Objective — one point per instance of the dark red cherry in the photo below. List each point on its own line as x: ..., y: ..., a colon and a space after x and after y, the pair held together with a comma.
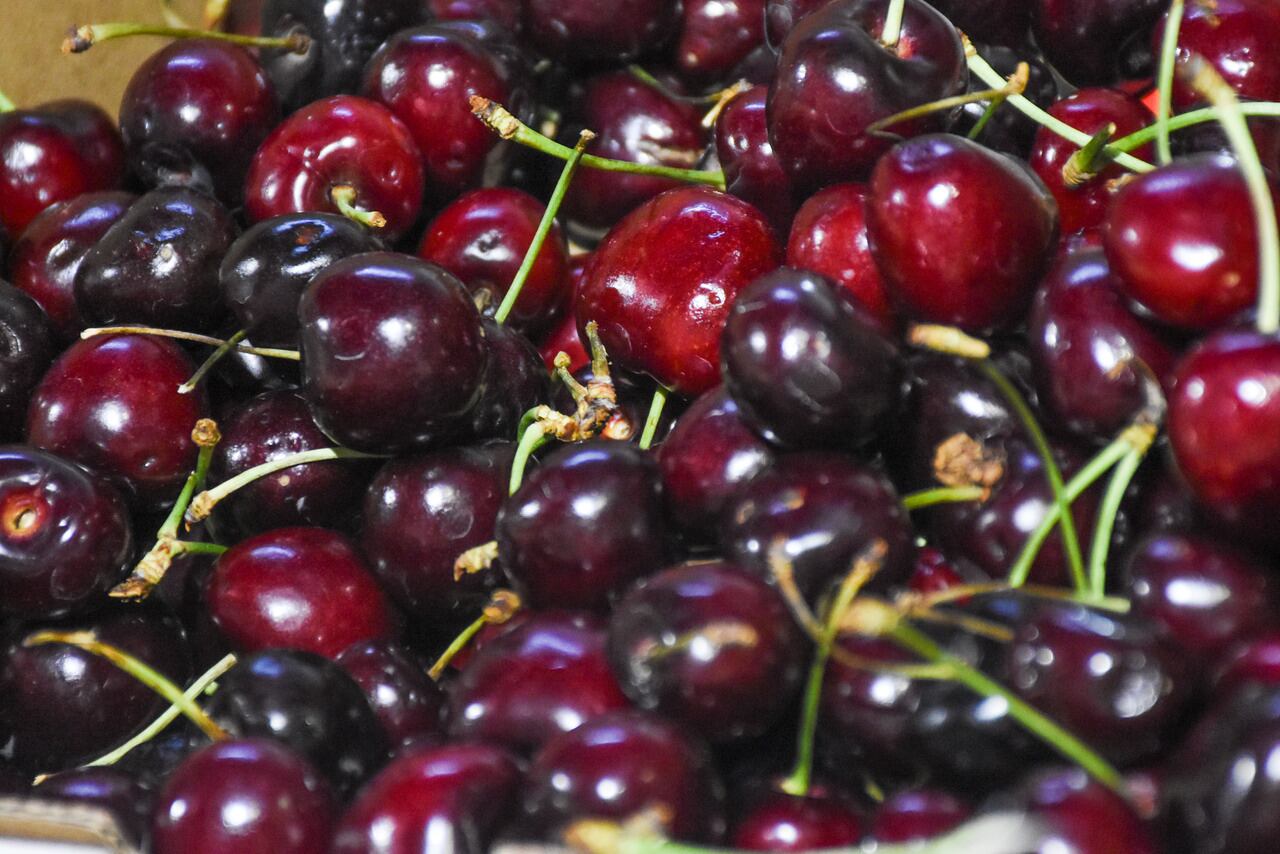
x: 300, y: 588
x: 404, y: 699
x: 266, y: 269
x: 1089, y: 42
x: 482, y: 239
x: 751, y: 169
x: 392, y: 350
x: 639, y: 123
x: 1202, y: 594
x: 999, y: 22
x: 455, y: 797
x: 45, y: 258
x: 661, y: 284
x: 820, y: 511
x: 250, y: 795
x: 113, y: 789
x: 920, y: 814
x: 960, y: 233
x: 112, y: 403
x: 564, y: 339
x: 307, y: 703
x: 54, y: 153
x: 1189, y: 270
x: 1088, y: 111
x: 158, y: 264
x: 584, y: 524
x: 709, y: 646
x: 715, y: 37
x: 584, y: 31
x: 421, y: 513
x: 708, y: 454
x: 515, y: 381
x: 835, y: 79
x: 1108, y: 679
x: 934, y: 572
x: 277, y: 424
x: 781, y: 16
x: 1084, y: 815
x: 1097, y: 365
x: 340, y: 141
x: 27, y: 347
x: 65, y: 535
x: 202, y: 104
x: 1007, y: 130
x: 1233, y: 36
x: 623, y: 765
x: 344, y: 35
x: 1254, y: 660
x: 829, y: 236
x: 782, y: 822
x: 504, y: 12
x: 63, y: 706
x: 545, y: 676
x: 805, y: 366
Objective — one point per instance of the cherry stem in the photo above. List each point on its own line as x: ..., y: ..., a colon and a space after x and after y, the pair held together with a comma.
x: 6, y: 105
x: 544, y: 228
x: 1088, y: 161
x: 983, y: 70
x: 1139, y: 138
x: 502, y: 606
x: 1107, y: 512
x: 892, y: 23
x: 266, y: 352
x: 660, y: 395
x: 139, y: 670
x: 533, y: 438
x: 202, y: 505
x: 500, y: 120
x: 84, y: 37
x: 344, y: 199
x: 1204, y: 78
x: 721, y: 100
x: 223, y: 349
x: 1164, y: 81
x: 943, y: 495
x: 987, y: 115
x: 1015, y: 85
x: 1118, y: 604
x: 169, y: 715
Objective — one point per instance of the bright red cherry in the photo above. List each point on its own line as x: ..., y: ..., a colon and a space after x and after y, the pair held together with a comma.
x: 1235, y: 36
x: 782, y: 822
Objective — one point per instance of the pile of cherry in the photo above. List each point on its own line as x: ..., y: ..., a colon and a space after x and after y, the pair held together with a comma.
x: 651, y: 427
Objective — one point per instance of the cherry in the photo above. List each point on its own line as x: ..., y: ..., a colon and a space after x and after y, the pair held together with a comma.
x: 421, y: 513
x: 112, y: 403
x: 545, y: 676
x: 1188, y: 270
x: 26, y: 352
x: 1201, y: 594
x: 503, y: 12
x: 1096, y: 364
x: 392, y: 350
x: 52, y: 154
x: 584, y: 524
x: 515, y: 381
x: 1093, y: 43
x: 960, y: 233
x: 1256, y: 659
x: 266, y: 269
x: 620, y: 765
x: 158, y: 263
x: 637, y: 122
x: 835, y: 79
x: 307, y: 703
x: 1089, y: 111
x: 819, y: 511
x: 1008, y: 130
x: 406, y: 702
x: 918, y: 814
x: 201, y: 105
x: 782, y: 822
x: 112, y: 789
x: 661, y: 284
x: 1084, y: 815
x: 781, y: 16
x: 344, y: 35
x: 709, y: 646
x: 586, y: 31
x: 457, y: 796
x: 343, y: 141
x: 708, y: 454
x: 44, y: 260
x: 249, y: 795
x: 1232, y: 35
x: 715, y: 37
x: 301, y: 588
x: 62, y: 705
x: 751, y: 169
x: 804, y: 365
x: 1107, y: 679
x: 829, y: 236
x: 482, y: 238
x: 999, y: 22
x: 934, y: 572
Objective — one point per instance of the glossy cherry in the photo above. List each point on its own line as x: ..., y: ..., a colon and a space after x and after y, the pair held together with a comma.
x: 661, y: 284
x: 586, y: 31
x: 112, y: 789
x: 392, y: 350
x: 404, y: 699
x: 112, y: 404
x: 339, y: 141
x: 27, y: 347
x: 715, y: 37
x: 545, y: 676
x: 752, y: 171
x: 1084, y: 815
x: 584, y: 524
x: 960, y: 233
x: 835, y: 79
x: 652, y: 764
x: 804, y: 364
x: 1093, y: 43
x: 782, y: 822
x: 917, y: 814
x: 250, y: 795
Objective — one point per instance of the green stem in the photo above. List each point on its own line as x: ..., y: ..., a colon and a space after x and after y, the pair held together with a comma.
x: 193, y: 548
x: 531, y: 440
x: 459, y: 643
x: 195, y: 481
x: 977, y: 129
x: 1164, y: 83
x: 544, y: 228
x: 892, y: 23
x: 194, y: 337
x: 1139, y: 138
x: 660, y: 395
x: 207, y: 365
x: 6, y: 105
x: 1070, y: 539
x: 942, y: 495
x: 344, y: 199
x: 1107, y: 512
x: 86, y: 37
